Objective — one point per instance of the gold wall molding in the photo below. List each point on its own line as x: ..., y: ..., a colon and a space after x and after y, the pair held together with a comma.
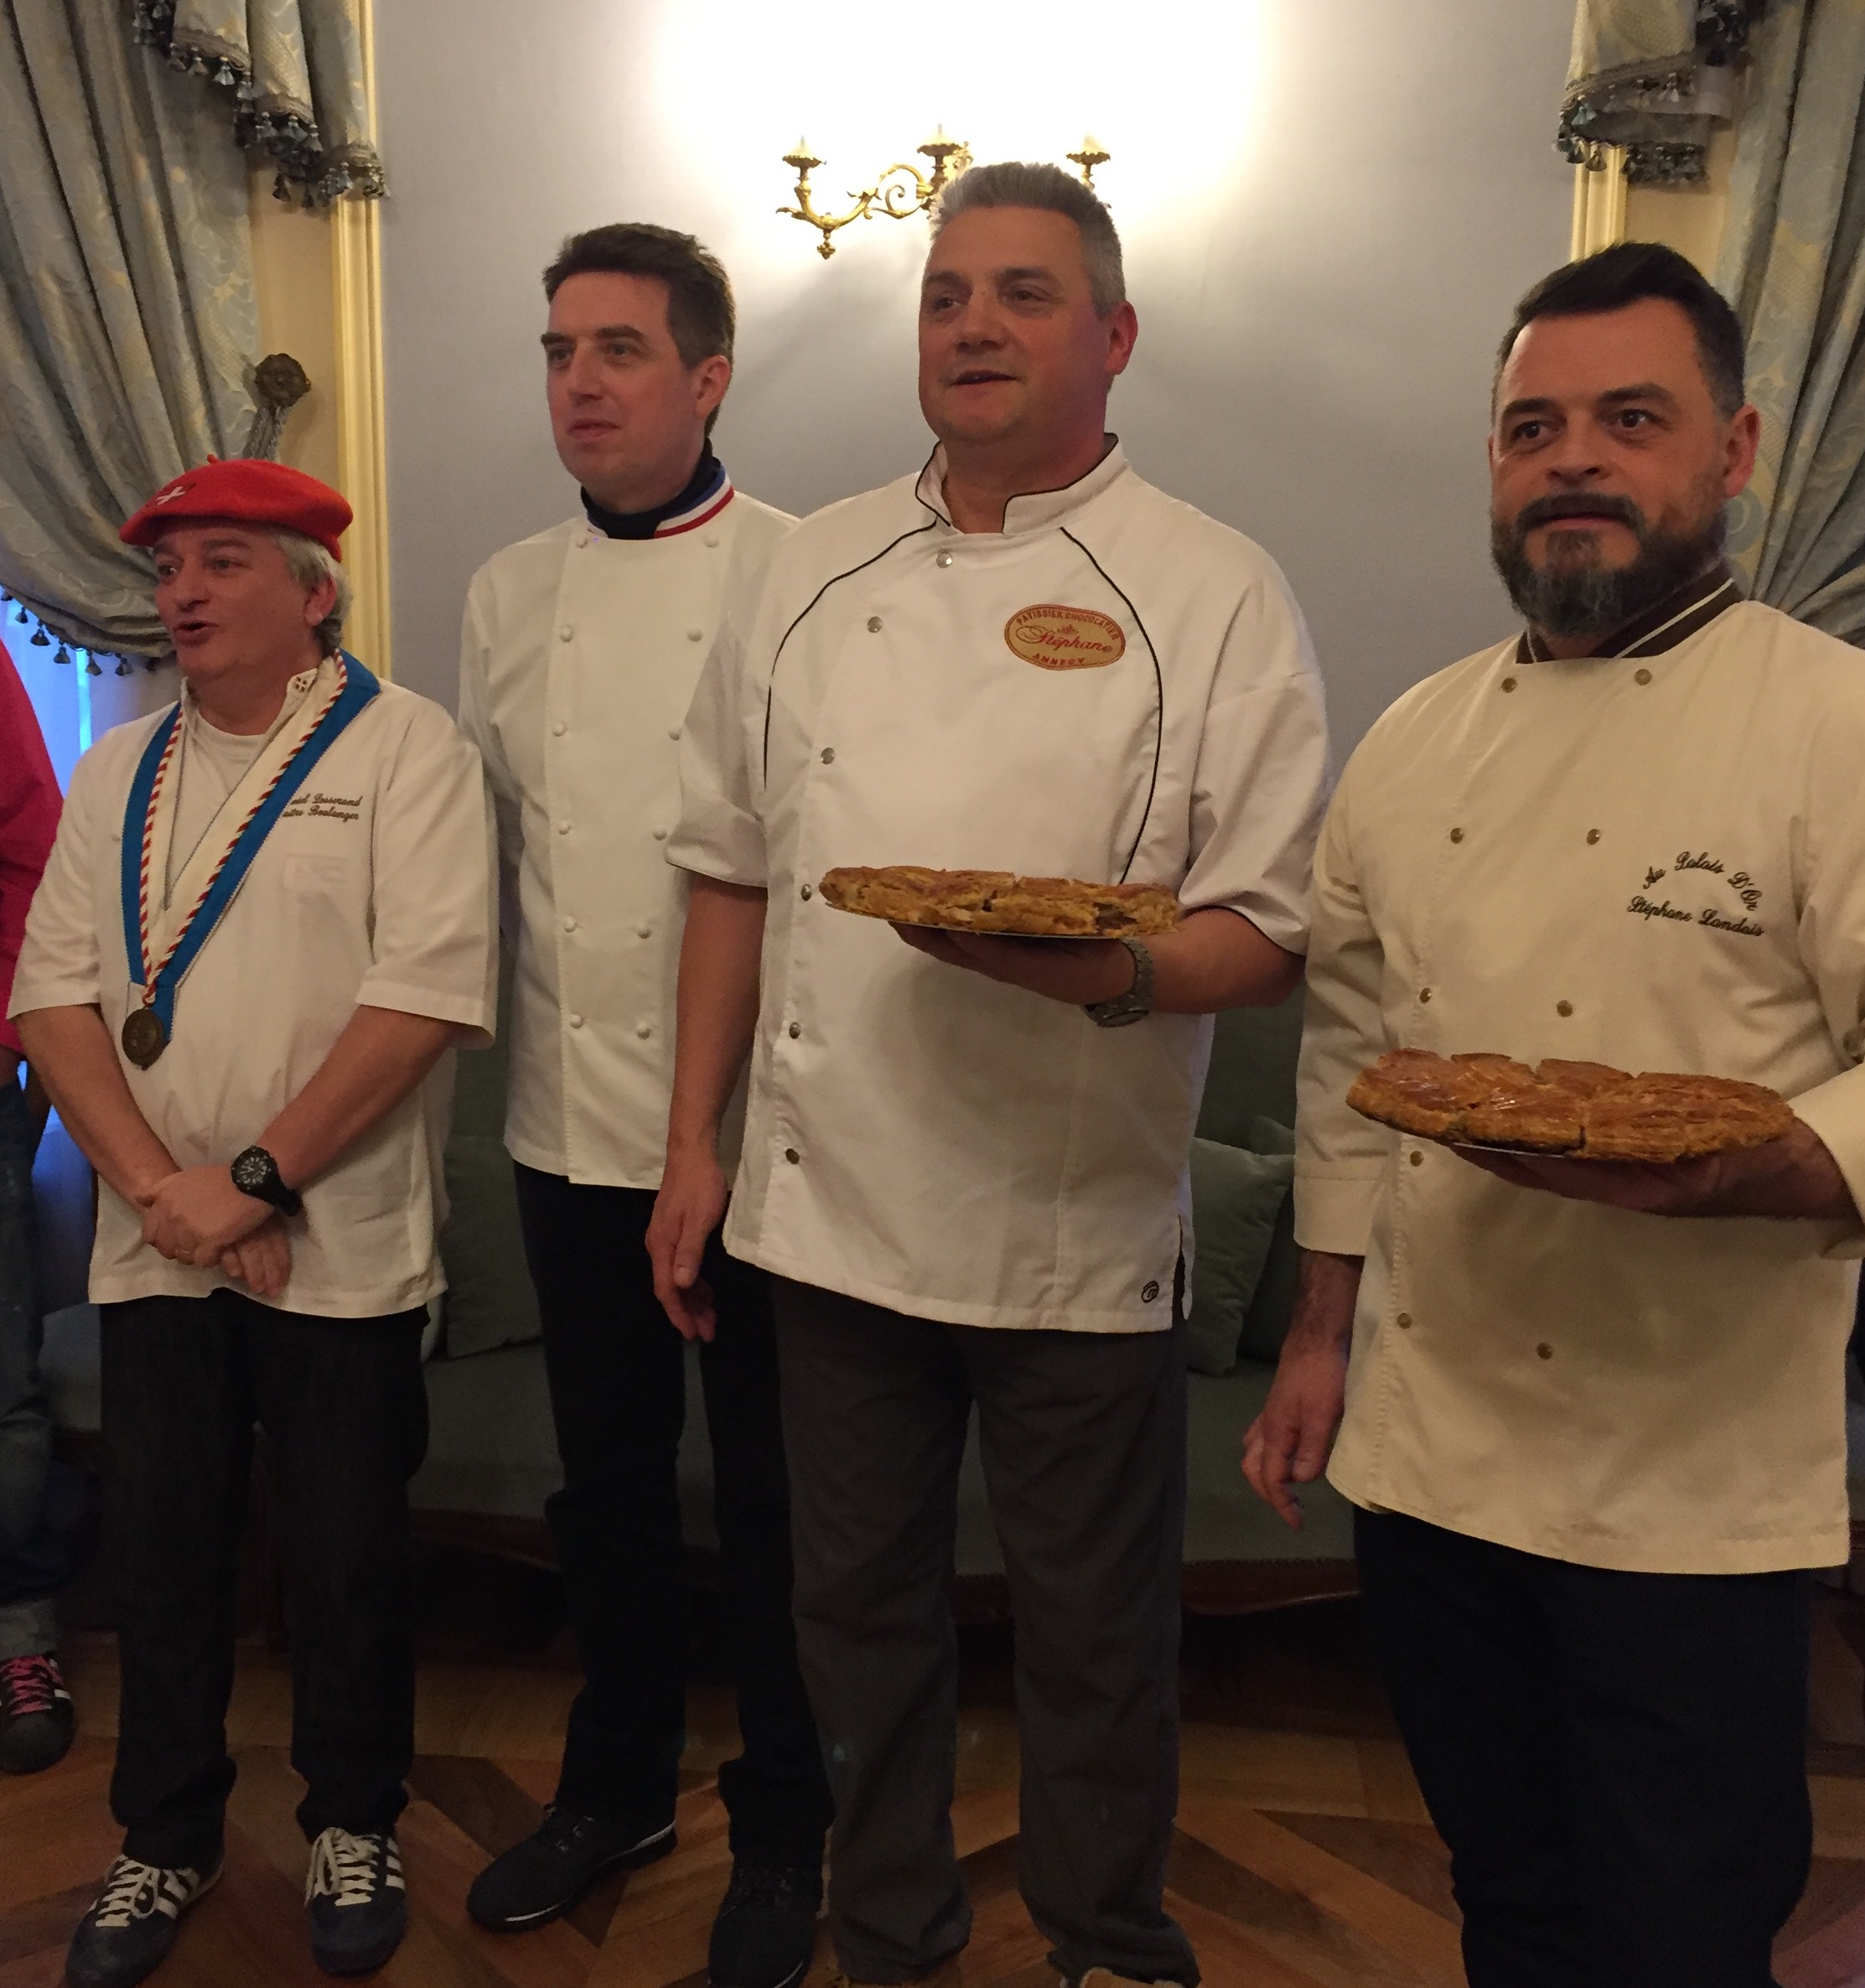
x: 1598, y: 203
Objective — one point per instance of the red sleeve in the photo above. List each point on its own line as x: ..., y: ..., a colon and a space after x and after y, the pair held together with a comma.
x: 29, y: 820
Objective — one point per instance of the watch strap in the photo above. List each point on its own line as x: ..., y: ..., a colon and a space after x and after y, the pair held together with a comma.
x: 1136, y: 1004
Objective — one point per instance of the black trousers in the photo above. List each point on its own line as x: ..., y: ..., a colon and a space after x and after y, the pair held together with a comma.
x: 345, y: 1407
x: 1616, y: 1760
x: 1083, y: 1437
x: 617, y: 1374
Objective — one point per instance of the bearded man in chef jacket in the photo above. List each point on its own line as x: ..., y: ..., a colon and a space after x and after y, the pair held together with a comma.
x: 1594, y: 1412
x: 964, y: 1161
x: 581, y: 649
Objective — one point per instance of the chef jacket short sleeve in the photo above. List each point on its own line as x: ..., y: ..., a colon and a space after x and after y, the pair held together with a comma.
x: 1340, y: 1157
x: 434, y: 905
x: 721, y: 834
x: 59, y: 961
x: 1261, y: 773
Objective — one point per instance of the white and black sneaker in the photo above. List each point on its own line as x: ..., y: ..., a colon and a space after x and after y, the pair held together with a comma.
x: 126, y: 1936
x: 357, y: 1900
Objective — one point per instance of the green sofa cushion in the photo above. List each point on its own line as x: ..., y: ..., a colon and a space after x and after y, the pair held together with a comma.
x: 1236, y: 1195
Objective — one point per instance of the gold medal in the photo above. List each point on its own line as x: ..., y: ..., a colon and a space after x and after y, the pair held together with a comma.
x: 144, y: 1037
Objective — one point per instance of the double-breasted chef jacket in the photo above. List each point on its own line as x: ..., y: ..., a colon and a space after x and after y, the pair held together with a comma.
x: 1657, y: 861
x: 917, y: 1136
x: 374, y: 888
x: 578, y: 659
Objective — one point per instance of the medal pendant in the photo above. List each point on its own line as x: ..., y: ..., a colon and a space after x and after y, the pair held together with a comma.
x: 144, y: 1037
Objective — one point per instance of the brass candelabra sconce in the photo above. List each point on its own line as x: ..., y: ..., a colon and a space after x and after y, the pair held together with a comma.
x: 903, y: 189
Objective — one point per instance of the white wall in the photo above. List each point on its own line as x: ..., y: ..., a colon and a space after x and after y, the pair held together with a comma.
x: 1329, y: 206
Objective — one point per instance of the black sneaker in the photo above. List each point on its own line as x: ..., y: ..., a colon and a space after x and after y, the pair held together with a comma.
x: 35, y: 1715
x: 536, y: 1880
x: 356, y: 1899
x: 766, y: 1928
x: 126, y: 1936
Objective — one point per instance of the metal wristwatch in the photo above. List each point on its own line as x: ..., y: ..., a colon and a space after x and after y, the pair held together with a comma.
x: 254, y: 1172
x: 1136, y: 1004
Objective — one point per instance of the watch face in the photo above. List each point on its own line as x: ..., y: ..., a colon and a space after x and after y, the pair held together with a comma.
x: 253, y: 1172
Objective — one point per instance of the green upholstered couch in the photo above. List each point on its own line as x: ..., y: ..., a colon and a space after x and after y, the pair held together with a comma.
x: 491, y: 1463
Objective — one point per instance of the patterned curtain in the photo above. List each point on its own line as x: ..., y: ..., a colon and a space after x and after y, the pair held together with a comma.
x: 1792, y: 264
x: 127, y: 316
x: 293, y: 70
x: 1653, y: 76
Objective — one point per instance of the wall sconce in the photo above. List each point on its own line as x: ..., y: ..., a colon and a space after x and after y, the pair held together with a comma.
x: 903, y: 188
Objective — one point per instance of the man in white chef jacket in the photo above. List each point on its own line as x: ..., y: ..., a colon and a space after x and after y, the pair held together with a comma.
x: 268, y: 914
x: 581, y: 649
x: 969, y: 1189
x: 1595, y: 1446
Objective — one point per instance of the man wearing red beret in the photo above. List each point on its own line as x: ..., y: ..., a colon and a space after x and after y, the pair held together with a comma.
x: 267, y: 916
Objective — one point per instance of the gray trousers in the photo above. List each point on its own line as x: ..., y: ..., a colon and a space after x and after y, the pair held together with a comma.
x: 1083, y: 1437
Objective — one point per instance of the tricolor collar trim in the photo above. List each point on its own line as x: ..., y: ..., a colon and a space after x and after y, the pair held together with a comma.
x: 705, y: 496
x: 1675, y: 619
x: 703, y: 511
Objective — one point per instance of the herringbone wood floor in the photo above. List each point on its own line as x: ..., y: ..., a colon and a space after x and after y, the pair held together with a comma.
x: 1303, y: 1857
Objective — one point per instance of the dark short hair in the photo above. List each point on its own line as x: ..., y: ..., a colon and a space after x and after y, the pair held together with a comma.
x: 700, y: 314
x: 1626, y: 274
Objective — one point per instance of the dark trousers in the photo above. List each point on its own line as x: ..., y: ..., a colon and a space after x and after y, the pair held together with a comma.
x: 41, y: 1503
x: 344, y: 1404
x: 1083, y: 1437
x: 1616, y: 1760
x: 618, y: 1377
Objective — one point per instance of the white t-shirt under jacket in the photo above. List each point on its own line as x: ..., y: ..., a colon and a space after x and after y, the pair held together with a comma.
x: 1655, y: 860
x: 577, y: 661
x: 374, y: 889
x: 917, y: 1136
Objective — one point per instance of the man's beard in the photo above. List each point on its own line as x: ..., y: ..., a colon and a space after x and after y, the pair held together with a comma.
x: 1576, y: 594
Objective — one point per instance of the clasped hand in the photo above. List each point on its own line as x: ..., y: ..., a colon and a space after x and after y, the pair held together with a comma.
x: 198, y: 1216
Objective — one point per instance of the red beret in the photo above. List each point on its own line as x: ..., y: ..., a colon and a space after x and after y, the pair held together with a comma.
x: 249, y: 491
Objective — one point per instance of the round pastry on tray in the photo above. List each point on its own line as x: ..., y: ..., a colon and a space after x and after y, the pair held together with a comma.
x: 1579, y: 1111
x: 997, y: 901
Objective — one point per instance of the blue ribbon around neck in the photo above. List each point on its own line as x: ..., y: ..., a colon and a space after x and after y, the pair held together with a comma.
x: 360, y: 689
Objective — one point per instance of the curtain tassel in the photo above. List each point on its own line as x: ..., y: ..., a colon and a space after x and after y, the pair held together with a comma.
x: 63, y: 655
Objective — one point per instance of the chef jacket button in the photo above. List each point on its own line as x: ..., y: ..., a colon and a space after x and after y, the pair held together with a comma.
x: 808, y: 893
x: 873, y: 625
x: 1544, y: 1351
x: 1563, y: 1007
x: 565, y: 633
x: 575, y: 1020
x: 694, y: 634
x: 673, y: 732
x: 644, y: 931
x: 1424, y: 993
x: 660, y: 835
x: 564, y: 828
x: 796, y: 1029
x: 1509, y: 683
x: 1403, y: 1321
x: 792, y: 1156
x: 1641, y: 676
x: 644, y: 1029
x: 712, y: 540
x: 944, y: 559
x: 1149, y: 1290
x: 1417, y: 1159
x: 569, y: 924
x: 828, y: 755
x: 1457, y: 835
x: 1592, y: 834
x: 558, y: 729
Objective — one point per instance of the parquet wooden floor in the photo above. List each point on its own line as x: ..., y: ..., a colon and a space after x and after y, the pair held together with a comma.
x: 1303, y: 1857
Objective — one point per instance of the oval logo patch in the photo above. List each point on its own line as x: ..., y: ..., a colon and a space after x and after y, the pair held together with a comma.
x: 1055, y: 637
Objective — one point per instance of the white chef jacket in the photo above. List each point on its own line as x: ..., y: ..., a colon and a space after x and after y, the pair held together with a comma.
x: 1655, y: 862
x: 577, y: 661
x: 374, y: 888
x: 917, y: 1136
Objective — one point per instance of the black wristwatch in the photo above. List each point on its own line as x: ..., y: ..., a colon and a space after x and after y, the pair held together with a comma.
x: 256, y: 1172
x: 1136, y: 1004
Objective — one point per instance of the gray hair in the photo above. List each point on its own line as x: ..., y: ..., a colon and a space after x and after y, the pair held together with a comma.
x: 1013, y: 182
x: 308, y: 563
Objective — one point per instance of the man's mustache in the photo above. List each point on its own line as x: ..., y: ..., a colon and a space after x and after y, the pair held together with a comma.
x: 1544, y: 511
